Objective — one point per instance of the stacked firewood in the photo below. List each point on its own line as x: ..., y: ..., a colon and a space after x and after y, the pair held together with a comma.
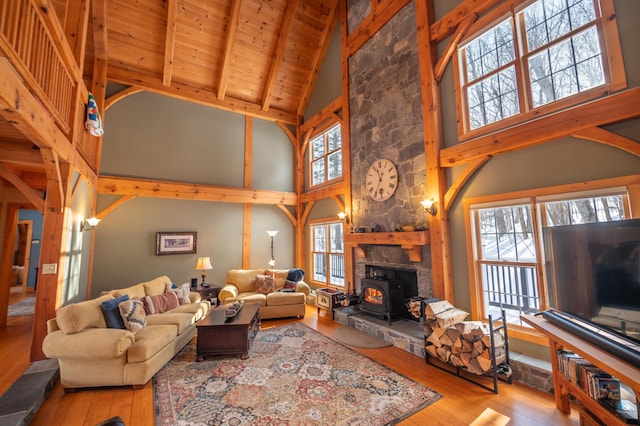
x: 415, y: 307
x: 465, y: 344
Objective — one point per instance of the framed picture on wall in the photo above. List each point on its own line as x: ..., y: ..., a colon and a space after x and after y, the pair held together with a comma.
x: 175, y: 242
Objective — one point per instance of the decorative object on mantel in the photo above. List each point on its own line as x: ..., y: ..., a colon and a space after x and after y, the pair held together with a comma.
x: 412, y: 228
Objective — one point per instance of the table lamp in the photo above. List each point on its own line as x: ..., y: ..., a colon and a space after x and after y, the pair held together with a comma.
x: 203, y: 264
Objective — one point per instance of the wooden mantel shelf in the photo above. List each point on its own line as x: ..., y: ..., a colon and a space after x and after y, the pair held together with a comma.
x: 411, y: 242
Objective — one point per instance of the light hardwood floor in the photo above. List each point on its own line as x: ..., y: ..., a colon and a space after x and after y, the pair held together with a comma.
x: 462, y: 403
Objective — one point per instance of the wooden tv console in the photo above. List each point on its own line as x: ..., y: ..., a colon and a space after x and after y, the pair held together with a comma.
x: 559, y: 339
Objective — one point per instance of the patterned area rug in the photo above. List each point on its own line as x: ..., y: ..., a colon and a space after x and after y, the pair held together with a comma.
x: 23, y: 307
x: 293, y: 376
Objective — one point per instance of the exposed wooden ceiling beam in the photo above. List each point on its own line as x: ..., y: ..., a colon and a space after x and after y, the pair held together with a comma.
x: 108, y: 103
x: 231, y: 30
x: 197, y: 95
x: 597, y: 134
x: 34, y: 197
x: 372, y: 23
x: 19, y: 152
x: 55, y: 172
x: 452, y: 46
x: 75, y: 28
x: 281, y: 45
x: 111, y: 207
x: 617, y: 107
x: 99, y: 17
x: 326, y: 192
x: 170, y: 41
x: 185, y: 191
x: 446, y: 25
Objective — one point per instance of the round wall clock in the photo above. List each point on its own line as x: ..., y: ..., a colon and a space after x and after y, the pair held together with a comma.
x: 382, y: 180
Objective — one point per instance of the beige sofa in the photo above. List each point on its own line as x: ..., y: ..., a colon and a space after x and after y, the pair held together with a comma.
x: 241, y: 285
x: 90, y: 354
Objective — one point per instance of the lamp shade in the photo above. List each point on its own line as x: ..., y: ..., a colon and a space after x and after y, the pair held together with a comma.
x: 204, y: 263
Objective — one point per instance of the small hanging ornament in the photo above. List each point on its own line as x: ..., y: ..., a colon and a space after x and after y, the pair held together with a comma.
x: 93, y: 123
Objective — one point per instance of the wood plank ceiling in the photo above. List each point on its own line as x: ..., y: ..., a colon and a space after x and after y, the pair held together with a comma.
x: 255, y: 57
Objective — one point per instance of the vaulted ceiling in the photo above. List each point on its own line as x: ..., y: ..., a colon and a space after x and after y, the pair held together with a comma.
x: 256, y: 57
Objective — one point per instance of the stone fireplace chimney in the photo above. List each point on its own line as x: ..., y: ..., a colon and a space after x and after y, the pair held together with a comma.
x: 386, y: 122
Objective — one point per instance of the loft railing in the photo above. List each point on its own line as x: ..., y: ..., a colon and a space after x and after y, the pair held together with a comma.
x: 34, y: 43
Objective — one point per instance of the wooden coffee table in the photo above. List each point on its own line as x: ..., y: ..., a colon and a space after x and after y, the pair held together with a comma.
x: 219, y: 335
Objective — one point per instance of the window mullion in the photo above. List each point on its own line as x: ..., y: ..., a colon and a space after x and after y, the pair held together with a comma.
x: 540, y: 257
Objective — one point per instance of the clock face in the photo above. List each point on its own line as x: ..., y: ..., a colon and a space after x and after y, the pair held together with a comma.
x: 382, y: 180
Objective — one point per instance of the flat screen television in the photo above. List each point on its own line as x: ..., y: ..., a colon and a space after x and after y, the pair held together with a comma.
x: 593, y: 273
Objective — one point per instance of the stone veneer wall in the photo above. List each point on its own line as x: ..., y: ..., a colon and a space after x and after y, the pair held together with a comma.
x: 386, y: 122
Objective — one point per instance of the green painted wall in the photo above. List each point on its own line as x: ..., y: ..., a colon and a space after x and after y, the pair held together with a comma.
x: 155, y: 137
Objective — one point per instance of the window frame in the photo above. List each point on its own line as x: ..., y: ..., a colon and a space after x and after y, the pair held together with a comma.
x: 612, y: 63
x: 328, y: 253
x: 324, y: 132
x: 536, y: 198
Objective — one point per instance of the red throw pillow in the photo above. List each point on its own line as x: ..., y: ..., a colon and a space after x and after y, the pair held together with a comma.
x: 160, y: 303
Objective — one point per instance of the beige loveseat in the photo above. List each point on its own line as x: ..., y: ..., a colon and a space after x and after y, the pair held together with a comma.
x: 241, y: 285
x: 90, y: 354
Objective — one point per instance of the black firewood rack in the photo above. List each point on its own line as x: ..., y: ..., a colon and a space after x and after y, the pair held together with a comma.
x: 497, y: 372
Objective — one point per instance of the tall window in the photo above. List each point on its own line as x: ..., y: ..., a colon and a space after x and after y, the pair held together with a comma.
x: 544, y: 52
x: 507, y: 241
x: 325, y: 156
x: 327, y: 253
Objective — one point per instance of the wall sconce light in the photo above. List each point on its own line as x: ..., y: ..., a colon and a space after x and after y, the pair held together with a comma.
x: 343, y: 217
x: 89, y: 224
x: 430, y: 207
x: 272, y: 234
x: 203, y: 264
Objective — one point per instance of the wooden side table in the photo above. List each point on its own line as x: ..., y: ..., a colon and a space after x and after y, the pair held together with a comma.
x: 209, y: 293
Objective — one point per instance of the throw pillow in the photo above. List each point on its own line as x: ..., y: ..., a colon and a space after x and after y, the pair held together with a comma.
x: 160, y: 303
x: 265, y: 284
x: 133, y: 316
x: 183, y: 293
x: 111, y: 312
x: 289, y: 285
x: 295, y: 275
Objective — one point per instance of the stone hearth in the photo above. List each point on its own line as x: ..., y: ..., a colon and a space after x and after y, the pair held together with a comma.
x: 404, y: 334
x: 408, y: 335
